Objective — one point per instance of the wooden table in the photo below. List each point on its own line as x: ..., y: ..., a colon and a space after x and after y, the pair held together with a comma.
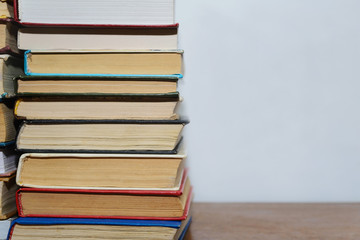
x: 258, y: 221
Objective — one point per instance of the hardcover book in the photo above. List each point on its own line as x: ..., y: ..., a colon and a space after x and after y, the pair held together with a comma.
x: 67, y: 39
x: 8, y: 35
x: 120, y: 204
x: 10, y: 67
x: 88, y: 171
x: 115, y: 136
x: 5, y: 226
x: 8, y: 161
x: 116, y: 106
x: 8, y: 190
x: 104, y: 63
x: 7, y: 127
x: 105, y: 229
x: 90, y: 85
x: 89, y: 12
x: 6, y: 9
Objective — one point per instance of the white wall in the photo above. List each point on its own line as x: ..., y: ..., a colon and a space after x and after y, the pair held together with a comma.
x: 272, y: 89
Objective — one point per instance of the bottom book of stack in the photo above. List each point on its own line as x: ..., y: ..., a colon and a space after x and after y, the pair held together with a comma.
x: 87, y: 228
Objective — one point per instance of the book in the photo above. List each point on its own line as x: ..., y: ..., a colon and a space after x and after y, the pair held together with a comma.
x: 76, y: 85
x: 85, y: 38
x: 8, y: 35
x: 115, y: 136
x: 8, y: 161
x: 10, y: 67
x: 86, y: 228
x: 89, y: 12
x: 6, y: 9
x: 7, y: 127
x: 5, y: 226
x: 121, y: 204
x: 8, y: 190
x: 84, y: 107
x: 101, y: 171
x: 103, y: 63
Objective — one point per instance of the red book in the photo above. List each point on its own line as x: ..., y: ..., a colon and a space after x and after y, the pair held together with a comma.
x: 114, y: 204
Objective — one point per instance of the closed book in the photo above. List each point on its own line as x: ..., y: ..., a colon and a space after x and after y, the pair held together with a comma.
x: 105, y: 229
x: 87, y: 171
x: 8, y: 35
x: 65, y: 39
x: 5, y: 226
x: 111, y: 63
x: 10, y: 67
x: 7, y: 127
x: 8, y: 190
x: 107, y: 136
x: 6, y: 9
x: 100, y: 106
x: 92, y: 85
x: 8, y: 161
x: 118, y: 204
x: 89, y: 12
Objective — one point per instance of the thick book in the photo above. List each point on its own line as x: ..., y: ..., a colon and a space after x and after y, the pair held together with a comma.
x: 90, y: 85
x: 118, y: 63
x: 98, y: 107
x: 10, y: 67
x: 107, y: 136
x: 89, y: 12
x: 8, y: 190
x: 104, y: 229
x: 7, y: 126
x: 101, y: 171
x: 118, y: 204
x: 67, y: 39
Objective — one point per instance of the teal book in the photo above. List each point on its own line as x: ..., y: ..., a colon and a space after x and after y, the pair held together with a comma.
x: 106, y: 63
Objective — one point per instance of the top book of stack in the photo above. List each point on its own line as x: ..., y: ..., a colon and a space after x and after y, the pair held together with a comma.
x: 94, y: 12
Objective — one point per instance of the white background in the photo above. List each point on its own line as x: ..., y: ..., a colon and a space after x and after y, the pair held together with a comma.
x: 272, y: 89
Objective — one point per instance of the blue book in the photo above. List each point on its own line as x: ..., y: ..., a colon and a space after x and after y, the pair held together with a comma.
x: 83, y: 228
x: 104, y: 64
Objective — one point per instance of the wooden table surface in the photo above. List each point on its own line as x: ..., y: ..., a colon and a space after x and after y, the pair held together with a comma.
x: 260, y: 221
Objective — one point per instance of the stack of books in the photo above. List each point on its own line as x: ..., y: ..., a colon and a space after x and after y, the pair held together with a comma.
x: 11, y: 62
x: 100, y: 134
